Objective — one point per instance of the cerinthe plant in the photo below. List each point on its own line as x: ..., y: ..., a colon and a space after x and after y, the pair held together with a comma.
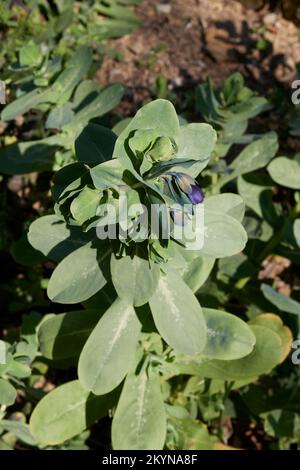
x: 140, y: 324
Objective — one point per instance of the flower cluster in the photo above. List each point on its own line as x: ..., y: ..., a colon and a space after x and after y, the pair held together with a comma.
x: 184, y: 187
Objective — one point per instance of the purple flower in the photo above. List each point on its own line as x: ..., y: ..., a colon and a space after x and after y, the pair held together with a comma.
x: 196, y: 195
x: 187, y: 185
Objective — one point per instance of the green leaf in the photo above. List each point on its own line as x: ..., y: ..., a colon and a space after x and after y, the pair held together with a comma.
x: 60, y: 116
x: 118, y: 11
x: 109, y: 351
x: 63, y: 336
x: 296, y: 230
x: 105, y: 102
x: 23, y: 104
x: 196, y: 142
x: 274, y: 322
x: 178, y: 315
x: 228, y: 337
x: 107, y: 28
x: 19, y: 429
x: 121, y: 126
x: 285, y: 172
x: 281, y: 301
x: 257, y: 195
x: 223, y: 236
x: 139, y: 422
x: 197, y: 271
x: 68, y: 179
x: 134, y: 279
x: 95, y: 144
x: 4, y: 445
x: 77, y: 277
x: 84, y: 206
x: 29, y: 55
x: 8, y: 393
x: 76, y: 67
x: 65, y: 17
x: 19, y: 369
x: 66, y: 412
x: 191, y: 434
x: 58, y: 93
x: 51, y: 236
x: 30, y: 324
x: 264, y: 357
x: 227, y: 203
x: 158, y: 115
x: 281, y: 423
x: 107, y: 175
x: 207, y: 103
x: 85, y: 92
x: 26, y: 157
x: 24, y: 253
x: 256, y: 155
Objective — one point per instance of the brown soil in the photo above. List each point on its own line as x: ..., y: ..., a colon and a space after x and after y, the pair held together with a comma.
x: 190, y: 40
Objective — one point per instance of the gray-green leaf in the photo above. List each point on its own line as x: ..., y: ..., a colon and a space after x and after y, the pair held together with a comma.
x: 178, y: 315
x: 109, y: 351
x: 140, y: 419
x: 286, y: 172
x: 50, y: 235
x: 281, y: 301
x: 134, y: 279
x: 77, y: 277
x: 228, y: 337
x: 67, y: 411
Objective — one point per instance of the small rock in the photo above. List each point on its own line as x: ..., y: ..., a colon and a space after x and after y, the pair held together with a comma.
x: 270, y: 19
x: 164, y: 8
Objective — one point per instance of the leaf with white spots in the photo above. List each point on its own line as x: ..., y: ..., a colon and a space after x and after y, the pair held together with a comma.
x: 134, y: 279
x: 110, y: 349
x: 140, y: 420
x: 228, y: 337
x: 178, y: 315
x: 77, y: 277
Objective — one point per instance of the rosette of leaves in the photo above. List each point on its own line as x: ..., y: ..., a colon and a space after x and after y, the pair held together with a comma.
x: 64, y: 100
x: 242, y: 170
x: 229, y: 110
x: 17, y: 355
x: 141, y: 321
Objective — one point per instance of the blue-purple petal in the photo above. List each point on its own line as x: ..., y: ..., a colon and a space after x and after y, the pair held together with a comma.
x: 196, y: 196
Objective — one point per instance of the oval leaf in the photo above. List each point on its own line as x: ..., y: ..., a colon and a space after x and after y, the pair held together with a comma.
x: 77, y: 277
x: 8, y: 393
x: 282, y: 302
x: 227, y: 203
x: 264, y: 357
x: 140, y: 420
x: 110, y: 349
x: 178, y: 315
x: 63, y: 336
x: 274, y: 322
x: 61, y: 239
x: 67, y: 411
x: 223, y: 235
x: 133, y: 278
x: 285, y: 172
x: 197, y: 271
x: 228, y: 337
